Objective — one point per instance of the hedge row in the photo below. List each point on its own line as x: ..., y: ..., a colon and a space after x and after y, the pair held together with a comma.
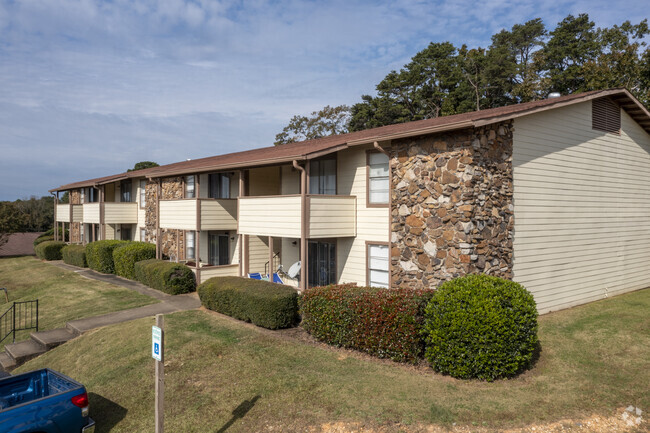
x: 99, y: 255
x: 384, y: 323
x: 75, y: 255
x: 126, y: 256
x: 168, y: 277
x: 42, y: 239
x: 49, y: 250
x: 482, y: 327
x: 262, y: 303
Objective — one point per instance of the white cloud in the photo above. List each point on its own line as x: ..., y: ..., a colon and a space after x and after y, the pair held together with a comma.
x: 93, y: 85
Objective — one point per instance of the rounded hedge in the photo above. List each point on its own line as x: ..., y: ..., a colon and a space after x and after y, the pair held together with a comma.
x: 74, y: 255
x: 99, y: 255
x: 265, y: 304
x: 479, y: 326
x: 125, y: 257
x: 168, y: 277
x: 41, y: 239
x: 49, y: 250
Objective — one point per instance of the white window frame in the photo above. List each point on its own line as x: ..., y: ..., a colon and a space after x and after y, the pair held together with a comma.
x: 373, y: 263
x: 190, y: 192
x: 190, y: 246
x: 143, y: 189
x: 373, y: 165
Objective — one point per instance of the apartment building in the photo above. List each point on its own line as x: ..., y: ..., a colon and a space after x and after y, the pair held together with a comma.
x: 554, y: 194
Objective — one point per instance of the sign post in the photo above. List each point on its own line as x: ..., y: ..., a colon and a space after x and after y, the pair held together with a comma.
x: 157, y: 352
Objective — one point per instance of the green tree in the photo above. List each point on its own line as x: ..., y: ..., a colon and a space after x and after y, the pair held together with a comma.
x: 573, y: 44
x: 143, y: 164
x: 510, y: 69
x: 10, y: 221
x: 328, y: 121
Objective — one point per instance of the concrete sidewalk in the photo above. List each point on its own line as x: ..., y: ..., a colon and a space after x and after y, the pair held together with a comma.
x: 40, y: 342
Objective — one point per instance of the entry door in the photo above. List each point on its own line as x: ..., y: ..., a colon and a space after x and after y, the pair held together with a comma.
x: 322, y: 263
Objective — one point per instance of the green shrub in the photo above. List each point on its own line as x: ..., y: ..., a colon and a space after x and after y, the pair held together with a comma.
x: 99, y: 255
x: 49, y: 250
x: 481, y: 327
x: 75, y: 255
x: 262, y: 303
x: 168, y: 277
x: 42, y: 239
x: 125, y: 257
x: 385, y: 323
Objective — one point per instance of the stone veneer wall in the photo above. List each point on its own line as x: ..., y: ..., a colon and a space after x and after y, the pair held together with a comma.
x: 452, y: 209
x: 75, y: 228
x: 150, y: 210
x: 172, y: 242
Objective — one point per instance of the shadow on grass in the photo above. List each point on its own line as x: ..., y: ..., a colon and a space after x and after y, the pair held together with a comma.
x: 239, y: 412
x: 105, y: 412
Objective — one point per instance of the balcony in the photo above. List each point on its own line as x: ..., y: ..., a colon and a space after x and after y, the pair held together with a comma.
x: 63, y: 213
x: 328, y: 216
x: 91, y: 213
x: 207, y: 214
x: 121, y: 213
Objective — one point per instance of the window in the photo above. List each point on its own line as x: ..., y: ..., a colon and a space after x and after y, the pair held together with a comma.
x: 218, y: 250
x: 143, y: 191
x: 378, y: 187
x: 189, y: 245
x: 91, y: 196
x: 218, y: 185
x: 322, y: 263
x: 378, y: 265
x: 125, y: 191
x: 143, y: 235
x: 322, y: 176
x: 189, y: 186
x: 126, y: 232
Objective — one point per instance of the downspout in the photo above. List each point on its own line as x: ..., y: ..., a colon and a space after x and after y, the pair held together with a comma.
x: 56, y: 227
x: 390, y: 207
x: 303, y: 225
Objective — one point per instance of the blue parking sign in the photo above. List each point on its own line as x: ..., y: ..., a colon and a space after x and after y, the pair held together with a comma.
x: 156, y: 343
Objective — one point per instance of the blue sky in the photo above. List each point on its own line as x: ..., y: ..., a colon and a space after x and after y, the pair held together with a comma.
x: 89, y: 87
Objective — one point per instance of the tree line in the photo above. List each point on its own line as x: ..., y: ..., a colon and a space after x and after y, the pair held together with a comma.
x: 522, y: 64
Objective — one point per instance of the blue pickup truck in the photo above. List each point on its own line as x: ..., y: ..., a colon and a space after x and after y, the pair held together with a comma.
x: 43, y: 401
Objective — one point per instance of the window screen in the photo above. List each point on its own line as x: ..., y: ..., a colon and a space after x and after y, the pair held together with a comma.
x: 378, y: 265
x: 378, y: 187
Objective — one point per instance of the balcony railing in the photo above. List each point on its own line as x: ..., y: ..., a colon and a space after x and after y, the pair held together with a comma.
x: 280, y: 216
x: 91, y: 213
x: 120, y: 213
x: 63, y: 213
x: 210, y: 214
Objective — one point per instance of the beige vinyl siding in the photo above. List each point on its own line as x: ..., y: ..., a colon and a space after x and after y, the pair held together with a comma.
x: 219, y: 271
x: 270, y: 216
x: 121, y: 213
x: 110, y: 231
x: 290, y: 180
x: 77, y: 213
x: 178, y: 214
x: 63, y: 213
x: 219, y: 214
x: 258, y: 250
x: 90, y: 213
x: 141, y: 217
x: 331, y: 216
x: 372, y: 224
x: 264, y: 181
x: 582, y: 207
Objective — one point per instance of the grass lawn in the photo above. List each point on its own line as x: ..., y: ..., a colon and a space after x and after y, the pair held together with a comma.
x: 62, y: 295
x: 222, y: 375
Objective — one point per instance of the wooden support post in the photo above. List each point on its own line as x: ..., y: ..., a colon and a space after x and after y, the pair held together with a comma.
x: 160, y: 378
x: 303, y: 225
x: 271, y: 258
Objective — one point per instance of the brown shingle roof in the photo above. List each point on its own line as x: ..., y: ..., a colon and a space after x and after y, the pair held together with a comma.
x: 19, y: 244
x: 313, y: 148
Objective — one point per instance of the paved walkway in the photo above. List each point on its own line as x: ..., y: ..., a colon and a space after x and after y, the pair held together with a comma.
x: 168, y: 304
x: 40, y: 342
